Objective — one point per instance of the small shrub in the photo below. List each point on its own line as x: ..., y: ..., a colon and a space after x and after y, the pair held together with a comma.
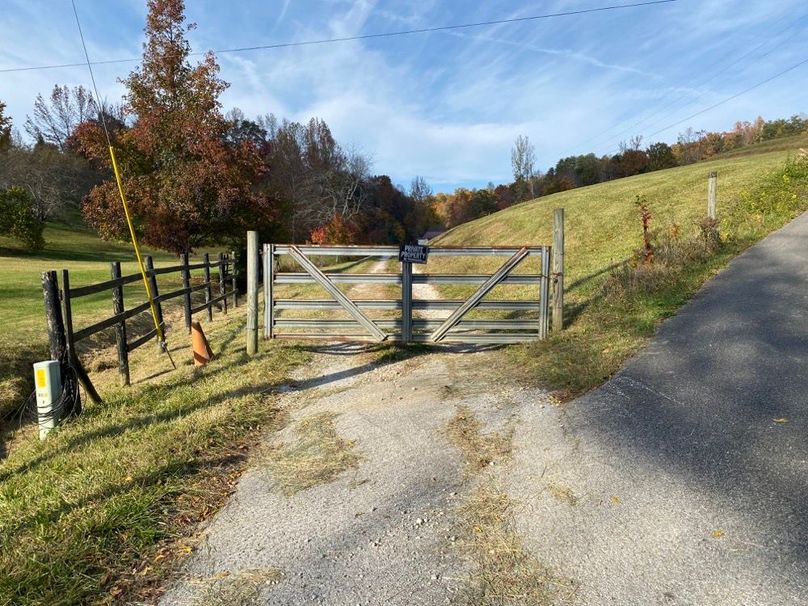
x: 18, y: 220
x: 645, y: 216
x: 709, y: 235
x: 779, y: 195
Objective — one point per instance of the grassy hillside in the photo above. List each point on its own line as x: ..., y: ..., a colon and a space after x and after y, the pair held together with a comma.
x: 603, y: 228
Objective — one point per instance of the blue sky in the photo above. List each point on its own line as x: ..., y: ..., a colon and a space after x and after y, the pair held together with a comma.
x: 447, y: 106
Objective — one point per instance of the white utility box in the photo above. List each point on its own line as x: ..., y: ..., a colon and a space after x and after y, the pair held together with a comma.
x: 48, y: 380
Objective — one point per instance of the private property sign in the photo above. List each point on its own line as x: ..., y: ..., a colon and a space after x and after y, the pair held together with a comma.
x: 413, y: 253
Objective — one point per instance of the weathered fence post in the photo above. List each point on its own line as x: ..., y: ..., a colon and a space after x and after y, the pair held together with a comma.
x: 53, y: 316
x: 252, y: 293
x: 269, y: 281
x: 558, y: 269
x: 406, y: 301
x: 153, y: 287
x: 208, y: 291
x: 222, y: 283
x: 57, y: 340
x: 72, y: 357
x: 186, y: 285
x: 120, y: 327
x: 233, y: 278
x: 711, y: 187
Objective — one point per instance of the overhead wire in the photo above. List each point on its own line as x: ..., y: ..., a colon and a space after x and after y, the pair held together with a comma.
x: 600, y: 138
x: 408, y: 32
x: 158, y: 328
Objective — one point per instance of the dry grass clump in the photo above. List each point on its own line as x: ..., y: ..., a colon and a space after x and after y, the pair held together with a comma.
x: 480, y: 450
x: 242, y: 588
x: 506, y: 573
x: 317, y: 456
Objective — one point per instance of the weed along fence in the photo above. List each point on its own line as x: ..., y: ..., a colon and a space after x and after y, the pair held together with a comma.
x: 380, y: 297
x: 217, y: 283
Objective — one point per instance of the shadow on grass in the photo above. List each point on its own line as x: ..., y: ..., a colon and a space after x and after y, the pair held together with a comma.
x: 176, y: 470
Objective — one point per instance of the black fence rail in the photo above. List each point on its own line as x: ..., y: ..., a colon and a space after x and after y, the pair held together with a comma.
x: 64, y: 335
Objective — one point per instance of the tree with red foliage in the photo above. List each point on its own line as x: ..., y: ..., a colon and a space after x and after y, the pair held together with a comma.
x: 336, y: 231
x: 186, y: 184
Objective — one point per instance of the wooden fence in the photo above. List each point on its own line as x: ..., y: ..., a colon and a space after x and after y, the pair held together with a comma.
x: 64, y: 335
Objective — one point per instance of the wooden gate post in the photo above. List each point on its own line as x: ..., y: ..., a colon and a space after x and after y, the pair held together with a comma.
x: 252, y: 293
x: 558, y: 269
x: 120, y: 327
x: 406, y: 301
x: 711, y: 187
x: 186, y: 285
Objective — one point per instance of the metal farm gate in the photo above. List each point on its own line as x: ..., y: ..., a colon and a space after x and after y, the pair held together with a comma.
x: 290, y: 312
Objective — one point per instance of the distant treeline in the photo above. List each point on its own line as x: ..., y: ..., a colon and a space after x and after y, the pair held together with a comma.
x: 588, y: 169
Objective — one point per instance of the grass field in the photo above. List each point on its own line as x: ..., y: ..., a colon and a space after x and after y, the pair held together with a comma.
x: 603, y: 228
x: 23, y: 336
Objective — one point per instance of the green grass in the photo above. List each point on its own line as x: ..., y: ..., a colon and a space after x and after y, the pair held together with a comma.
x: 23, y: 339
x: 603, y: 228
x: 104, y: 507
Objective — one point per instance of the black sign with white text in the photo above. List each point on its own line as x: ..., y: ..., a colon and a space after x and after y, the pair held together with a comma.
x: 413, y: 253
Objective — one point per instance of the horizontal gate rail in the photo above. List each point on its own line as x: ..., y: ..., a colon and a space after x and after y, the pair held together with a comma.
x: 392, y: 251
x: 301, y: 278
x: 417, y: 323
x: 421, y: 304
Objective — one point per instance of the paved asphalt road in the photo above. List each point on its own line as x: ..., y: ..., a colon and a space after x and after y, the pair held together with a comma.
x: 690, y: 467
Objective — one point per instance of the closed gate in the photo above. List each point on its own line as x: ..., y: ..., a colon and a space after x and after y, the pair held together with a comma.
x: 415, y: 310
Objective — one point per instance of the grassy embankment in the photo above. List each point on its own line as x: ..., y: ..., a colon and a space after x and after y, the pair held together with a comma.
x: 610, y: 313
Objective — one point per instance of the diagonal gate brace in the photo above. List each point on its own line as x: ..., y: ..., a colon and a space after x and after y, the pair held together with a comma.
x: 484, y: 289
x: 335, y: 292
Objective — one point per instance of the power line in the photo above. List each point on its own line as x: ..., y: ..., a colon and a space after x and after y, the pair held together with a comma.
x: 409, y: 32
x: 730, y: 98
x: 604, y: 136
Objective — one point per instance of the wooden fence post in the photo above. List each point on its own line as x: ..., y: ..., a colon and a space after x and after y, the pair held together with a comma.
x: 57, y: 340
x: 208, y: 291
x: 222, y: 283
x: 252, y: 293
x: 154, y: 292
x: 558, y: 269
x: 406, y: 301
x: 233, y: 278
x: 72, y: 357
x: 186, y: 285
x: 711, y: 187
x: 120, y: 328
x: 53, y: 316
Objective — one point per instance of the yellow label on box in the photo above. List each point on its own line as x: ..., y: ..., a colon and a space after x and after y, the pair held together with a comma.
x: 41, y: 378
